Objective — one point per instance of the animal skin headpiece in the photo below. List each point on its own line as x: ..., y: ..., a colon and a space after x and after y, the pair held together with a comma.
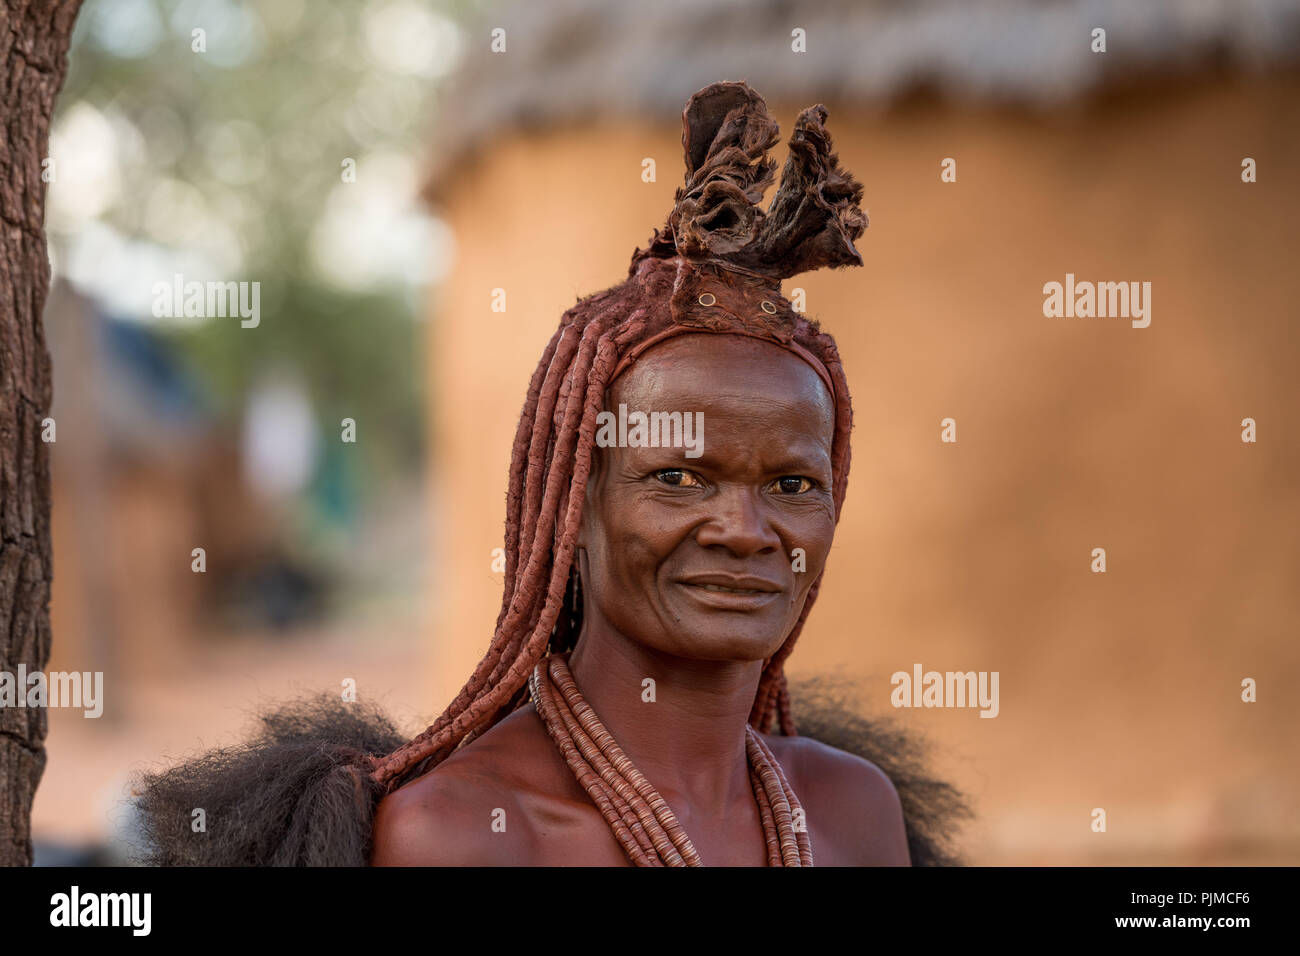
x: 728, y: 255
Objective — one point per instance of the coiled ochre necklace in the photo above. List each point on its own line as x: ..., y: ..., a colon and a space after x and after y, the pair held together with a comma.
x: 640, y: 818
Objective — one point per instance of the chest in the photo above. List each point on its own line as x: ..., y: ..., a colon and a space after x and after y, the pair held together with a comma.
x: 569, y: 833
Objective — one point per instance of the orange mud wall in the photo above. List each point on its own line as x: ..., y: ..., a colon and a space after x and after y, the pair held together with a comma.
x: 1120, y: 690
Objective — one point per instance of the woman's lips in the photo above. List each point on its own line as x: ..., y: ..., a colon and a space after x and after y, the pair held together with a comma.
x: 715, y: 587
x: 731, y: 593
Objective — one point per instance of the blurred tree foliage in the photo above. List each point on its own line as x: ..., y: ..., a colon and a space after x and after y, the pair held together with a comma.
x: 236, y: 152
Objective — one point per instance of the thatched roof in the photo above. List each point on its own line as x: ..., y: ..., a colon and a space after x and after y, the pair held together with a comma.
x: 571, y: 60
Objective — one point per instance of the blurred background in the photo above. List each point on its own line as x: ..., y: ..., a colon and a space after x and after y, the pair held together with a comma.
x: 502, y: 146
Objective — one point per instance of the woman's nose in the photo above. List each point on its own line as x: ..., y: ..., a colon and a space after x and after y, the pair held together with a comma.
x: 740, y: 523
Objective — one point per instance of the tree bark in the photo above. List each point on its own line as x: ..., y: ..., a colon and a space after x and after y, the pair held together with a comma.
x: 34, y: 37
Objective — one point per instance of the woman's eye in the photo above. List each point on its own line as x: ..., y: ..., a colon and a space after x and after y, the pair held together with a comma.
x: 793, y: 484
x: 677, y: 477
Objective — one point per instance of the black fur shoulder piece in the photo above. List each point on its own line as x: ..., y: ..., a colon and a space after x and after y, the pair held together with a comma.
x: 298, y: 793
x: 933, y: 810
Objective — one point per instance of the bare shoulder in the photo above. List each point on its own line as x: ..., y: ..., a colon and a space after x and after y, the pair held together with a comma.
x: 847, y: 798
x: 467, y: 811
x: 440, y: 819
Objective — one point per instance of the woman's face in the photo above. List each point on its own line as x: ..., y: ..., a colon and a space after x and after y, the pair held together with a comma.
x: 697, y: 556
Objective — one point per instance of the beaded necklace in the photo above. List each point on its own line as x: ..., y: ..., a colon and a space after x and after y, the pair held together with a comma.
x: 641, y: 819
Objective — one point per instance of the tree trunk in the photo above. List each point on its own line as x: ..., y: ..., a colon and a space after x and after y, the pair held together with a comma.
x: 34, y: 36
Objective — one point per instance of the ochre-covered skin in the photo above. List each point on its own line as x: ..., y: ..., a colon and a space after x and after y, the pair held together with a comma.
x: 657, y: 527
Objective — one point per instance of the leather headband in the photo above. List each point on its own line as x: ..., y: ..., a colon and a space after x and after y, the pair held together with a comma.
x: 640, y: 348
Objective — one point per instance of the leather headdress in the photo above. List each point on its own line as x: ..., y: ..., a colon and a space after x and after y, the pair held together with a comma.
x: 729, y: 255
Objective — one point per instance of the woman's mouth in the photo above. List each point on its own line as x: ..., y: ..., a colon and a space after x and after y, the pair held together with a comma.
x: 717, y: 587
x: 728, y: 593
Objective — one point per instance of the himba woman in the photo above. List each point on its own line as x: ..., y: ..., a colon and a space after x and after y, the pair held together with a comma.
x: 632, y: 707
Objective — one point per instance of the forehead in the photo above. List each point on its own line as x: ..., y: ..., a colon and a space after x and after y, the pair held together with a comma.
x: 727, y: 373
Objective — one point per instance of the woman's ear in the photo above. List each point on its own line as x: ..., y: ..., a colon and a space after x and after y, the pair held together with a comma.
x: 584, y: 525
x: 591, y: 497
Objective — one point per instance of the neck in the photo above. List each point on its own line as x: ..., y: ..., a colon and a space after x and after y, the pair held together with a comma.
x: 690, y: 741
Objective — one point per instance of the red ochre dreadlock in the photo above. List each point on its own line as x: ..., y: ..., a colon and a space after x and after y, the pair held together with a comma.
x: 715, y: 267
